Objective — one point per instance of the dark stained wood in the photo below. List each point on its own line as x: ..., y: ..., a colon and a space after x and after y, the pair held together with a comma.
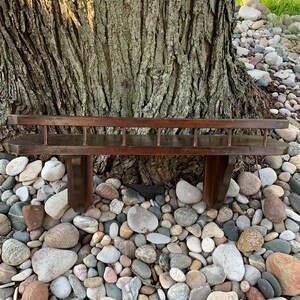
x: 145, y: 145
x: 144, y: 122
x: 217, y: 174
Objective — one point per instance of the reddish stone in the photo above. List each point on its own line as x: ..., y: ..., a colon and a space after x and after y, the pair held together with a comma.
x: 255, y: 294
x: 26, y: 282
x: 37, y: 290
x: 274, y: 210
x: 286, y: 269
x: 224, y: 287
x: 33, y: 216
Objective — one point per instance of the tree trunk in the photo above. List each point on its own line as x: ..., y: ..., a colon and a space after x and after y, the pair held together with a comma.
x: 123, y: 58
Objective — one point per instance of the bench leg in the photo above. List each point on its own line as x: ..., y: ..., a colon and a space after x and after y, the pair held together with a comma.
x: 80, y: 181
x: 217, y: 173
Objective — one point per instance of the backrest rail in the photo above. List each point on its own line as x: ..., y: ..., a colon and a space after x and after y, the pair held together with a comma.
x: 158, y: 137
x: 145, y: 122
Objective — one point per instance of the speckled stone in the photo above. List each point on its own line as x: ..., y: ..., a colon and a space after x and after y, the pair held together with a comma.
x: 278, y: 245
x: 180, y: 261
x: 107, y: 191
x: 250, y: 240
x: 187, y: 193
x: 14, y: 252
x: 249, y: 183
x: 274, y: 210
x: 214, y: 274
x: 185, y: 216
x: 16, y: 216
x: 178, y: 291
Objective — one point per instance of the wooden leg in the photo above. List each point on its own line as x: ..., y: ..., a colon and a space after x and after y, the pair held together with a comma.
x: 80, y: 181
x: 217, y: 174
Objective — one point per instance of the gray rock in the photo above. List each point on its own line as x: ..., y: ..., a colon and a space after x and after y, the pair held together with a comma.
x: 187, y: 193
x: 146, y: 253
x: 108, y: 254
x: 14, y: 252
x: 224, y: 255
x: 249, y: 13
x: 96, y: 293
x: 274, y: 161
x: 271, y: 58
x: 233, y: 189
x: 44, y: 263
x: 87, y: 224
x: 278, y: 245
x: 77, y: 286
x: 178, y: 291
x: 60, y: 287
x: 214, y: 274
x: 243, y: 222
x: 267, y: 176
x: 113, y: 291
x: 130, y: 290
x: 16, y: 216
x: 9, y: 183
x: 158, y: 238
x: 295, y: 201
x: 180, y: 261
x: 57, y: 204
x: 266, y: 288
x: 185, y: 216
x: 200, y: 293
x: 294, y: 28
x: 16, y: 166
x: 274, y: 283
x: 6, y: 292
x: 23, y: 193
x: 132, y: 197
x: 6, y: 273
x: 141, y: 269
x: 252, y: 274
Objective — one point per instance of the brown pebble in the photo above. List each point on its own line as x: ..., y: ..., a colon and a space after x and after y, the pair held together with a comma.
x: 274, y: 210
x: 147, y: 290
x: 223, y: 287
x: 36, y: 234
x: 125, y: 272
x: 86, y: 239
x: 220, y: 241
x: 26, y: 282
x: 83, y: 252
x: 196, y: 265
x: 36, y: 290
x: 33, y: 216
x: 237, y: 208
x: 255, y: 294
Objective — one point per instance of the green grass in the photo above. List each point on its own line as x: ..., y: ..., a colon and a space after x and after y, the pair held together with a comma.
x: 280, y: 7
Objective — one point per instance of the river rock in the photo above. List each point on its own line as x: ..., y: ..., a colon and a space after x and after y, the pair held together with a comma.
x: 15, y: 216
x: 252, y: 274
x: 187, y: 193
x: 107, y: 191
x: 130, y: 290
x: 36, y: 290
x: 214, y: 274
x: 60, y: 287
x: 274, y: 210
x: 267, y: 176
x: 178, y: 291
x: 233, y: 189
x: 53, y: 170
x: 16, y: 166
x: 5, y: 225
x: 108, y: 254
x: 250, y: 240
x: 185, y: 216
x: 286, y: 269
x: 212, y: 230
x: 278, y: 245
x: 249, y: 183
x: 180, y: 261
x: 158, y: 238
x: 64, y: 235
x: 140, y: 269
x: 14, y: 252
x: 45, y: 263
x: 33, y: 216
x: 77, y: 286
x: 146, y: 253
x: 224, y: 255
x: 87, y: 224
x: 218, y: 295
x: 57, y: 204
x: 200, y: 293
x: 249, y: 13
x: 141, y: 220
x: 274, y: 283
x: 31, y: 171
x: 6, y: 273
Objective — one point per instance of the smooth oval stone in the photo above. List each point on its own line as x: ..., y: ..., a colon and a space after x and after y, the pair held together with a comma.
x: 252, y: 274
x: 6, y: 273
x: 193, y: 243
x: 16, y: 166
x: 224, y: 255
x: 243, y: 222
x: 33, y: 216
x: 178, y: 291
x: 77, y: 286
x: 214, y: 274
x: 16, y: 216
x: 274, y: 210
x: 212, y: 230
x: 64, y: 235
x: 180, y: 261
x: 141, y: 220
x: 5, y: 225
x: 287, y: 235
x: 146, y: 253
x: 14, y: 252
x: 267, y: 176
x: 53, y: 170
x: 249, y: 183
x: 87, y: 224
x: 131, y: 197
x: 266, y: 288
x: 9, y: 183
x: 107, y: 191
x: 45, y: 263
x: 177, y: 275
x: 60, y: 287
x: 35, y: 290
x: 31, y: 171
x: 208, y: 244
x: 22, y: 275
x: 158, y: 238
x: 185, y: 216
x: 187, y: 193
x: 278, y: 245
x: 274, y: 282
x: 141, y: 269
x: 57, y: 205
x: 218, y: 295
x: 108, y: 254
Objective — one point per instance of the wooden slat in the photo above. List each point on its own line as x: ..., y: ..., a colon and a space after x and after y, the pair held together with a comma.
x: 145, y: 122
x: 145, y: 145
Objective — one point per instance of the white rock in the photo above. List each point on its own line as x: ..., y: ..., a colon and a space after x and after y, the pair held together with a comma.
x: 200, y: 207
x: 60, y: 287
x: 96, y: 293
x: 22, y: 275
x: 294, y: 216
x: 249, y: 13
x: 233, y: 189
x: 267, y: 176
x: 109, y: 254
x: 31, y: 171
x: 218, y: 295
x: 257, y: 74
x: 188, y: 193
x: 116, y: 206
x: 224, y: 255
x: 158, y: 238
x: 3, y: 165
x: 49, y: 263
x: 288, y: 167
x: 211, y: 229
x: 177, y: 275
x: 87, y: 224
x: 271, y: 58
x: 57, y: 204
x: 208, y: 245
x: 193, y: 243
x: 23, y: 193
x: 53, y: 170
x: 242, y: 199
x: 16, y: 166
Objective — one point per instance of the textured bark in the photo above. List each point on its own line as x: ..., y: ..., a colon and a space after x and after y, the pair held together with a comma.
x: 121, y: 58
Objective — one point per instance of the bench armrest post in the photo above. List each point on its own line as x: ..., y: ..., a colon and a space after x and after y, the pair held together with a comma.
x: 45, y: 135
x: 123, y: 136
x: 195, y: 142
x: 84, y: 136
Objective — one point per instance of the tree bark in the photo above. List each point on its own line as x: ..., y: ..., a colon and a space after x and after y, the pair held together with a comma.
x: 122, y: 58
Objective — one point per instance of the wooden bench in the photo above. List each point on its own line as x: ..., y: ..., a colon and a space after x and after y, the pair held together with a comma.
x: 220, y: 151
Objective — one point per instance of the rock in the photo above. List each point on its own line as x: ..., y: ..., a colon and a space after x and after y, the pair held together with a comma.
x: 108, y: 254
x: 273, y: 191
x: 64, y: 235
x: 35, y: 291
x: 249, y: 13
x: 146, y: 253
x: 6, y: 273
x: 116, y: 206
x: 208, y: 245
x: 287, y: 235
x: 233, y: 189
x: 130, y: 290
x: 225, y: 214
x: 60, y: 287
x: 180, y: 261
x: 288, y: 167
x: 110, y: 275
x: 185, y: 216
x: 249, y: 183
x: 294, y: 28
x: 44, y: 263
x: 177, y: 275
x: 107, y: 191
x: 33, y: 216
x: 188, y: 193
x: 243, y: 222
x: 274, y: 210
x: 288, y: 134
x: 223, y: 296
x: 5, y: 225
x: 131, y: 197
x: 255, y: 294
x: 200, y: 293
x: 295, y: 160
x: 87, y: 224
x: 22, y: 275
x: 23, y: 193
x: 278, y: 245
x: 212, y: 230
x: 252, y: 274
x: 295, y: 202
x: 16, y: 166
x: 271, y: 58
x: 266, y: 288
x: 96, y: 293
x: 3, y: 165
x: 224, y: 255
x: 77, y: 287
x: 274, y: 283
x: 195, y: 278
x: 53, y: 170
x: 165, y: 280
x: 31, y: 171
x: 14, y: 252
x: 286, y: 269
x: 214, y: 274
x: 267, y: 176
x: 158, y: 238
x: 178, y: 291
x: 15, y: 216
x: 194, y: 244
x: 250, y: 240
x: 141, y: 220
x: 57, y: 204
x: 274, y: 161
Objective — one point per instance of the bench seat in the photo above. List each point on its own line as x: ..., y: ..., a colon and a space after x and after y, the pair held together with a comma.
x: 33, y: 144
